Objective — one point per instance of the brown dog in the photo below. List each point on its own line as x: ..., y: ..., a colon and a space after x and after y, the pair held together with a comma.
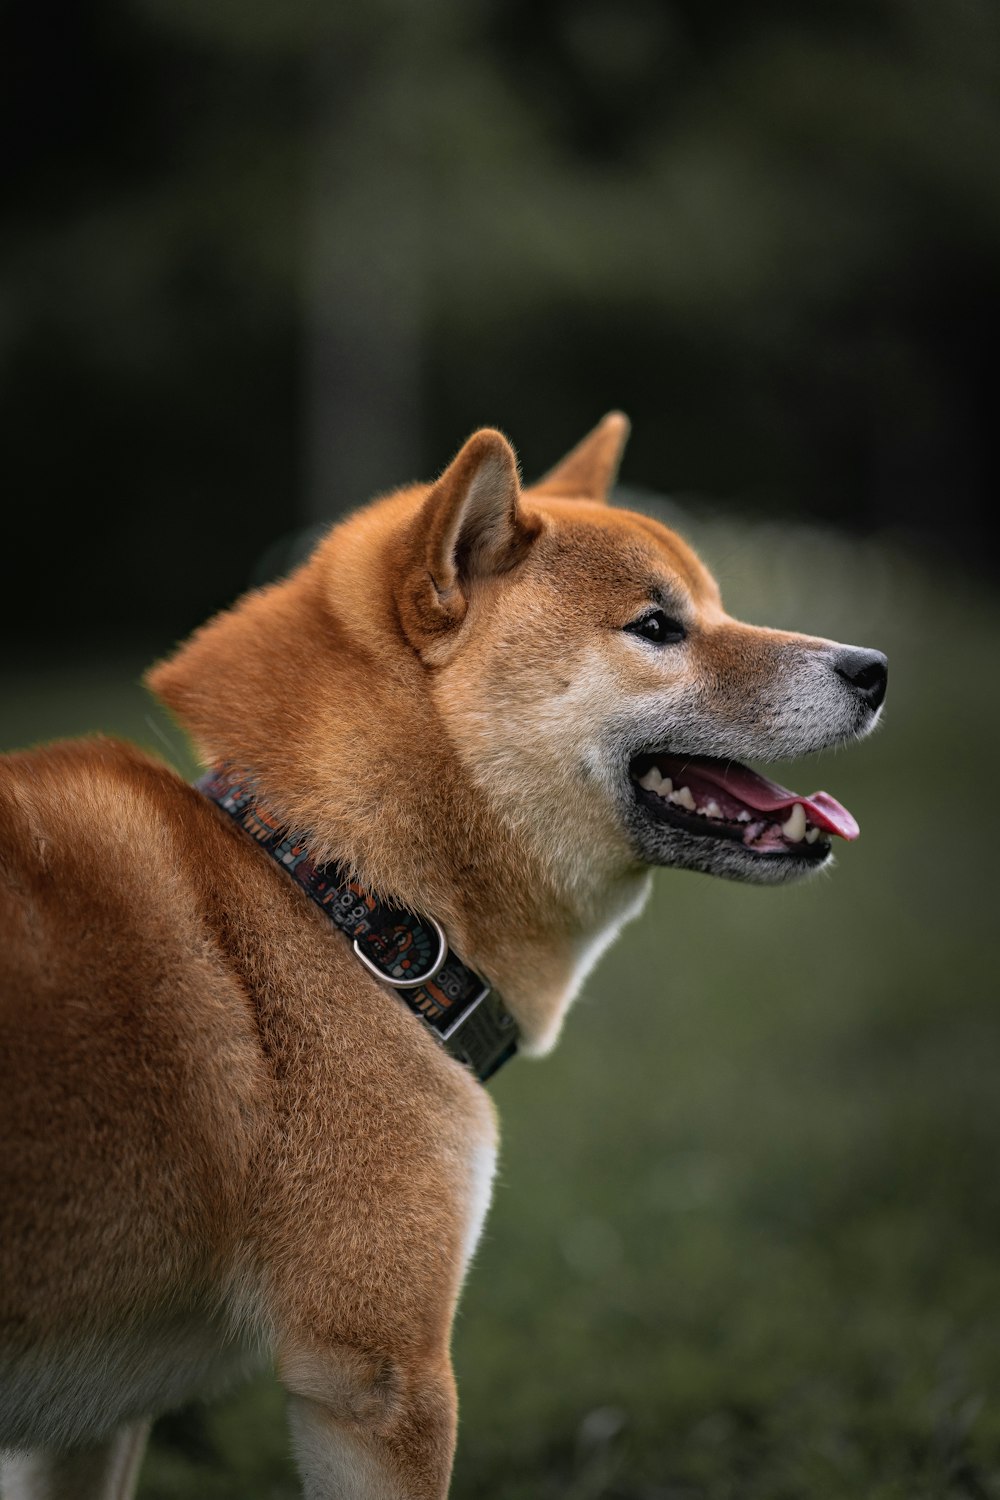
x: 226, y: 1140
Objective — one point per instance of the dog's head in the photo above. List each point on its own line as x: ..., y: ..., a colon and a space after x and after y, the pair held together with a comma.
x: 476, y: 667
x: 504, y: 706
x: 592, y: 681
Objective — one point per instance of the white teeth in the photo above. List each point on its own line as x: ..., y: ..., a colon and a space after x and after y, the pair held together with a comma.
x: 654, y: 781
x: 743, y: 816
x: 712, y: 808
x: 683, y: 798
x: 812, y: 835
x: 794, y: 829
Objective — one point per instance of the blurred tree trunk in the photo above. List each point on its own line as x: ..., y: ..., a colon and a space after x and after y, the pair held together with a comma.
x: 364, y: 283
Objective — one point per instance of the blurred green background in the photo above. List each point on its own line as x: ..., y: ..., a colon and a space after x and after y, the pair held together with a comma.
x: 259, y: 260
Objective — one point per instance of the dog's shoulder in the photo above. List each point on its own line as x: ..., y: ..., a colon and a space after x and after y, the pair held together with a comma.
x: 103, y: 851
x: 76, y: 807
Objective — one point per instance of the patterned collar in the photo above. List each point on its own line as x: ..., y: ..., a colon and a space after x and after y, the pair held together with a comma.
x: 407, y: 952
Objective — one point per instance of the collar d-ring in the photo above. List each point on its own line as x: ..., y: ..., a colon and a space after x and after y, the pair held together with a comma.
x: 408, y: 984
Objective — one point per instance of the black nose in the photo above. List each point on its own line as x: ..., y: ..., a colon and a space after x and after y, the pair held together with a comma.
x: 866, y: 671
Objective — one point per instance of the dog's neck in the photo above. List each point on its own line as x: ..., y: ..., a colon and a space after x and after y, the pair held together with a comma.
x: 358, y: 756
x: 406, y: 951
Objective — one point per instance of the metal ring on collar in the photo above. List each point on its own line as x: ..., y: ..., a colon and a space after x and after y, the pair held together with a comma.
x: 409, y: 984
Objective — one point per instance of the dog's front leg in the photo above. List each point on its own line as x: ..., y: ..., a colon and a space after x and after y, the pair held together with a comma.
x: 105, y: 1471
x: 371, y: 1427
x: 363, y: 1256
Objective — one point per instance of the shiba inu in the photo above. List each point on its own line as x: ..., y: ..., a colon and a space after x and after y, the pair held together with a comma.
x: 243, y: 1025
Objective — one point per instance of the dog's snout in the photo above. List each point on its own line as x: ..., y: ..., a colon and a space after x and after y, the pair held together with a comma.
x: 867, y: 672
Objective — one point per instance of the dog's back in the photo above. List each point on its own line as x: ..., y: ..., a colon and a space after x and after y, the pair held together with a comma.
x: 131, y: 1076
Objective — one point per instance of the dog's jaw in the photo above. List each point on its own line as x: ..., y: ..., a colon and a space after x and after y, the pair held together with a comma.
x: 661, y: 843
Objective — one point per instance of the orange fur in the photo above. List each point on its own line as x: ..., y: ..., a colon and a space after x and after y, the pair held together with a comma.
x: 224, y: 1142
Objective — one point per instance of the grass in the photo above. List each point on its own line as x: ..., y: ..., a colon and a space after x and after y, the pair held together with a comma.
x: 746, y: 1241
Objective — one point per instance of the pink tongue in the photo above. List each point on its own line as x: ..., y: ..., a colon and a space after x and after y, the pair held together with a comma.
x: 768, y: 797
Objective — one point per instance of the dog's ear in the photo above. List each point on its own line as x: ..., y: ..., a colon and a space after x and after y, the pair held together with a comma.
x: 471, y: 526
x: 588, y: 471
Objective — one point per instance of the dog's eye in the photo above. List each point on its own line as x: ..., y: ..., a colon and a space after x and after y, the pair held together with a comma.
x: 658, y: 628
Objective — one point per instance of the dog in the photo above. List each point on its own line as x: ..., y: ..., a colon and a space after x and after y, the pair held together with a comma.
x: 245, y: 1025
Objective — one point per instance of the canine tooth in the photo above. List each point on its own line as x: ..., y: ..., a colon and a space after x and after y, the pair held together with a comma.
x: 794, y: 829
x: 713, y: 809
x: 666, y: 787
x: 743, y: 816
x: 812, y: 834
x: 652, y: 779
x: 683, y: 798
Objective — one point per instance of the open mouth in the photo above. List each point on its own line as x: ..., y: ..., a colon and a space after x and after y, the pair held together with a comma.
x: 724, y: 800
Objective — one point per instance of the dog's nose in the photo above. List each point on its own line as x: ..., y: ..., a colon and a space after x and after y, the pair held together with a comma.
x: 866, y: 671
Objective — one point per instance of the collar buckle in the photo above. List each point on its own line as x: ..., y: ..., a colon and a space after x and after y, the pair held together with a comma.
x: 446, y: 1033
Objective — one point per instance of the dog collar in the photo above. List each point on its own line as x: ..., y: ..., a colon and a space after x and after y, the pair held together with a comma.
x: 407, y: 952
